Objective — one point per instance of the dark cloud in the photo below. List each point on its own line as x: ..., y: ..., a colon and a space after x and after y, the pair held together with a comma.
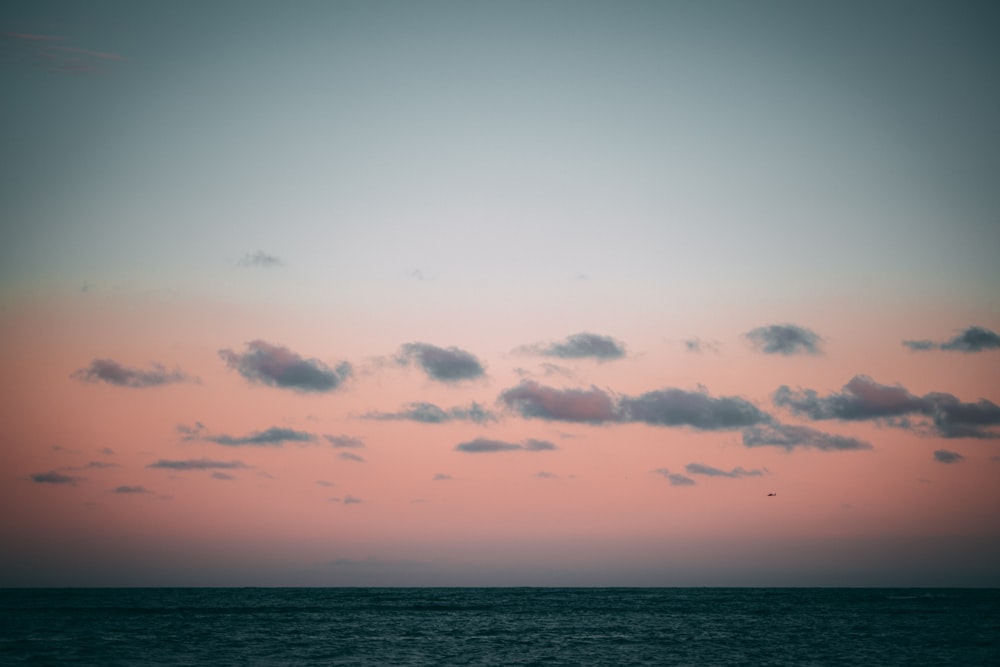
x: 665, y: 407
x: 944, y: 456
x: 864, y: 399
x: 441, y: 477
x: 107, y: 451
x: 348, y: 456
x: 580, y: 346
x: 791, y: 436
x: 533, y: 400
x: 973, y: 339
x: 344, y: 441
x: 260, y: 259
x: 544, y: 474
x: 278, y: 366
x: 325, y: 483
x: 676, y: 407
x: 222, y: 475
x: 272, y: 437
x: 131, y: 489
x: 197, y: 464
x: 428, y: 413
x: 53, y: 477
x: 709, y: 471
x: 675, y: 479
x: 484, y: 445
x: 786, y: 339
x: 112, y: 372
x: 347, y: 500
x: 444, y: 365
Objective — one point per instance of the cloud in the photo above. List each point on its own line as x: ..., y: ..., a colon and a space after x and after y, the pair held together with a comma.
x: 580, y: 346
x: 53, y: 477
x: 260, y: 259
x: 675, y: 479
x: 544, y: 474
x: 786, y: 339
x: 676, y: 407
x: 441, y: 477
x: 197, y: 464
x: 444, y: 365
x: 944, y: 456
x: 93, y: 465
x: 323, y: 482
x: 52, y: 53
x: 864, y: 399
x: 698, y: 345
x: 112, y: 372
x: 278, y: 366
x: 131, y: 489
x: 665, y: 407
x: 791, y: 436
x: 428, y: 413
x: 532, y: 400
x: 347, y: 500
x: 484, y: 445
x: 272, y: 437
x: 344, y: 441
x: 348, y: 456
x: 973, y: 339
x: 223, y: 476
x: 709, y: 471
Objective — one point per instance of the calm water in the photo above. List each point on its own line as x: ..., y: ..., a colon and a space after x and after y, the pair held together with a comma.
x: 499, y: 626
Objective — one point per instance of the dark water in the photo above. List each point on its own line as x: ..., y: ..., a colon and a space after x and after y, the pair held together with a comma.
x: 499, y: 626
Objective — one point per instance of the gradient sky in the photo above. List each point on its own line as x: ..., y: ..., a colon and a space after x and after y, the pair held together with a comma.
x: 510, y: 293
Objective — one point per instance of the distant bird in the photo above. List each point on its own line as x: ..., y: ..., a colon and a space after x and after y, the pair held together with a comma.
x: 772, y: 494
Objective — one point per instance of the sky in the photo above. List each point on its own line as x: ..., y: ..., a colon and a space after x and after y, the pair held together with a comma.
x: 499, y: 293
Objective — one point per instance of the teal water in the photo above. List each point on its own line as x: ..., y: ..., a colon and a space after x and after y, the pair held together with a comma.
x: 499, y: 626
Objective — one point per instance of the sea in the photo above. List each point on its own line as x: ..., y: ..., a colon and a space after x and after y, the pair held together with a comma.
x: 499, y: 626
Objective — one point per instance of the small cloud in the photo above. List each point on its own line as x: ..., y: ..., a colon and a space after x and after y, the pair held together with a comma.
x: 344, y: 441
x: 697, y: 345
x: 53, y: 477
x: 53, y: 53
x: 272, y: 437
x: 675, y: 479
x: 93, y: 465
x: 277, y: 366
x: 944, y: 456
x: 973, y: 339
x: 532, y: 400
x: 107, y: 451
x: 260, y: 259
x: 131, y: 489
x: 112, y: 372
x: 544, y: 474
x: 580, y: 346
x: 785, y: 339
x: 347, y: 500
x: 441, y: 477
x: 442, y: 364
x: 348, y: 456
x: 191, y: 432
x: 323, y: 482
x: 677, y: 407
x: 416, y: 274
x: 197, y: 464
x: 790, y: 436
x: 222, y: 475
x: 709, y: 471
x: 484, y: 445
x: 428, y: 413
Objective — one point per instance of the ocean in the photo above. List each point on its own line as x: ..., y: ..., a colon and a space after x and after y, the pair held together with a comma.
x: 499, y: 626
